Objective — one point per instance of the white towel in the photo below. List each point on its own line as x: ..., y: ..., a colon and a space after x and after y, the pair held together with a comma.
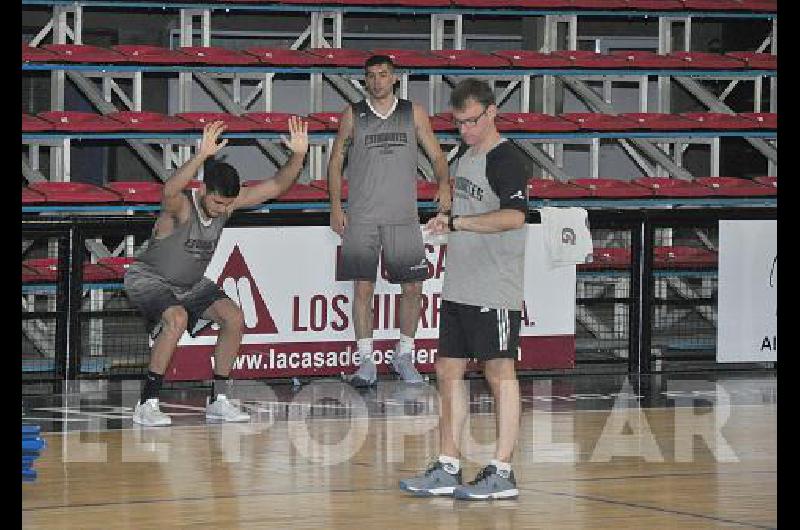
x: 566, y: 235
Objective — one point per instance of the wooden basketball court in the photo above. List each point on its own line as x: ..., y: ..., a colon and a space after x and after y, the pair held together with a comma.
x: 648, y: 457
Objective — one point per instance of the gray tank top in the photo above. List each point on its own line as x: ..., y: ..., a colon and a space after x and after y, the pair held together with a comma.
x: 382, y: 166
x: 182, y: 257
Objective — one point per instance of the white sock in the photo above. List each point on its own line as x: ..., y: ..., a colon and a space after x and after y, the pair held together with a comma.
x: 405, y: 345
x: 365, y: 350
x: 450, y: 461
x: 500, y: 466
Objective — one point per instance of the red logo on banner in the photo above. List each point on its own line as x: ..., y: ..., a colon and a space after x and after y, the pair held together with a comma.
x: 238, y: 283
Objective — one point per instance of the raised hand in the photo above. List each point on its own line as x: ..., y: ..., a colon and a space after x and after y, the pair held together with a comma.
x: 209, y: 146
x: 298, y: 136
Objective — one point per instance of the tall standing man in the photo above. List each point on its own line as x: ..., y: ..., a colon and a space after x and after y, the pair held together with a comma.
x: 379, y: 136
x: 482, y: 295
x: 167, y: 283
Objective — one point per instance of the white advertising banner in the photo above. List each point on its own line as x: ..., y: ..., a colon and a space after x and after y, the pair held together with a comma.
x: 747, y: 327
x: 284, y: 278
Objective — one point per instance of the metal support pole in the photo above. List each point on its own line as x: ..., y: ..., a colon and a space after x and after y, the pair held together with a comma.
x: 594, y: 158
x: 642, y: 243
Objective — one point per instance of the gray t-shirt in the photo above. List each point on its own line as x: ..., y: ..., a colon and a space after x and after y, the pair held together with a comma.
x: 382, y: 166
x: 182, y: 257
x: 487, y: 270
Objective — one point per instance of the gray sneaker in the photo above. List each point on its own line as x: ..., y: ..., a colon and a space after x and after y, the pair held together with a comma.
x: 435, y: 481
x: 489, y: 484
x: 404, y: 367
x: 366, y: 376
x: 222, y: 409
x: 149, y: 414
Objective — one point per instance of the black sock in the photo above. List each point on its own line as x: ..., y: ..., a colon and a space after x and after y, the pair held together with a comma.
x: 152, y: 386
x: 219, y: 386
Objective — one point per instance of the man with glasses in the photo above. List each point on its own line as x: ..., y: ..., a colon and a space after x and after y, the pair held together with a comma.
x: 482, y: 294
x: 379, y: 137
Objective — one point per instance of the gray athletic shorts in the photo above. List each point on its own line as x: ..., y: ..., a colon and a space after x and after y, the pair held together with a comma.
x: 152, y: 294
x: 401, y: 245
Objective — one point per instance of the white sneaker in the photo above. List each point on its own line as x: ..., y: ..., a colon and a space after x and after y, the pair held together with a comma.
x: 149, y: 414
x: 224, y: 410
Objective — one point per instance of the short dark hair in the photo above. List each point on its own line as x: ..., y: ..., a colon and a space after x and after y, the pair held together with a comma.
x: 221, y: 178
x: 473, y: 88
x: 375, y: 60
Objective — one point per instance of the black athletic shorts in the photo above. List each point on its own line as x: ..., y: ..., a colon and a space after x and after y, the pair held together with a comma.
x: 468, y: 331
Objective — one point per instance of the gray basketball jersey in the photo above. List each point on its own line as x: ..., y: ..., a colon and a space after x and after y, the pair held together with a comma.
x: 182, y: 257
x: 382, y: 166
x: 487, y: 270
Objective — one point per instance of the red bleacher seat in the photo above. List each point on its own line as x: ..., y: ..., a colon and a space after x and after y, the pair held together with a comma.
x: 95, y: 272
x: 759, y: 61
x: 589, y: 59
x: 763, y: 120
x: 542, y: 4
x: 654, y: 5
x: 118, y: 265
x: 146, y: 54
x: 34, y: 124
x: 31, y: 275
x: 283, y: 56
x: 43, y: 270
x: 401, y: 3
x: 427, y: 190
x: 647, y: 59
x: 80, y: 121
x: 532, y: 59
x: 532, y: 122
x: 595, y: 121
x: 657, y: 121
x: 218, y: 56
x: 710, y: 61
x: 340, y: 56
x: 718, y: 121
x: 137, y: 192
x: 736, y: 187
x: 278, y: 121
x: 74, y: 192
x: 669, y: 187
x: 302, y: 193
x: 82, y: 53
x: 233, y: 123
x: 612, y: 188
x: 31, y: 54
x: 30, y: 196
x: 682, y: 257
x: 411, y: 58
x: 539, y: 188
x: 329, y: 119
x: 443, y: 122
x: 607, y: 259
x: 731, y: 5
x: 471, y: 59
x: 323, y: 185
x: 150, y: 121
x: 597, y: 4
x: 771, y: 182
x: 769, y: 6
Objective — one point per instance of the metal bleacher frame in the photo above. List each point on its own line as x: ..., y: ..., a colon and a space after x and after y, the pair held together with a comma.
x: 446, y: 26
x: 658, y: 154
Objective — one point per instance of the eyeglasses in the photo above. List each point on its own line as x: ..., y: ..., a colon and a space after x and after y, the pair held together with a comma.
x: 469, y: 121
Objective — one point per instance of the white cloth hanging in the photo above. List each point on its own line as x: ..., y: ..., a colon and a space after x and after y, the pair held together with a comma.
x: 567, y: 238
